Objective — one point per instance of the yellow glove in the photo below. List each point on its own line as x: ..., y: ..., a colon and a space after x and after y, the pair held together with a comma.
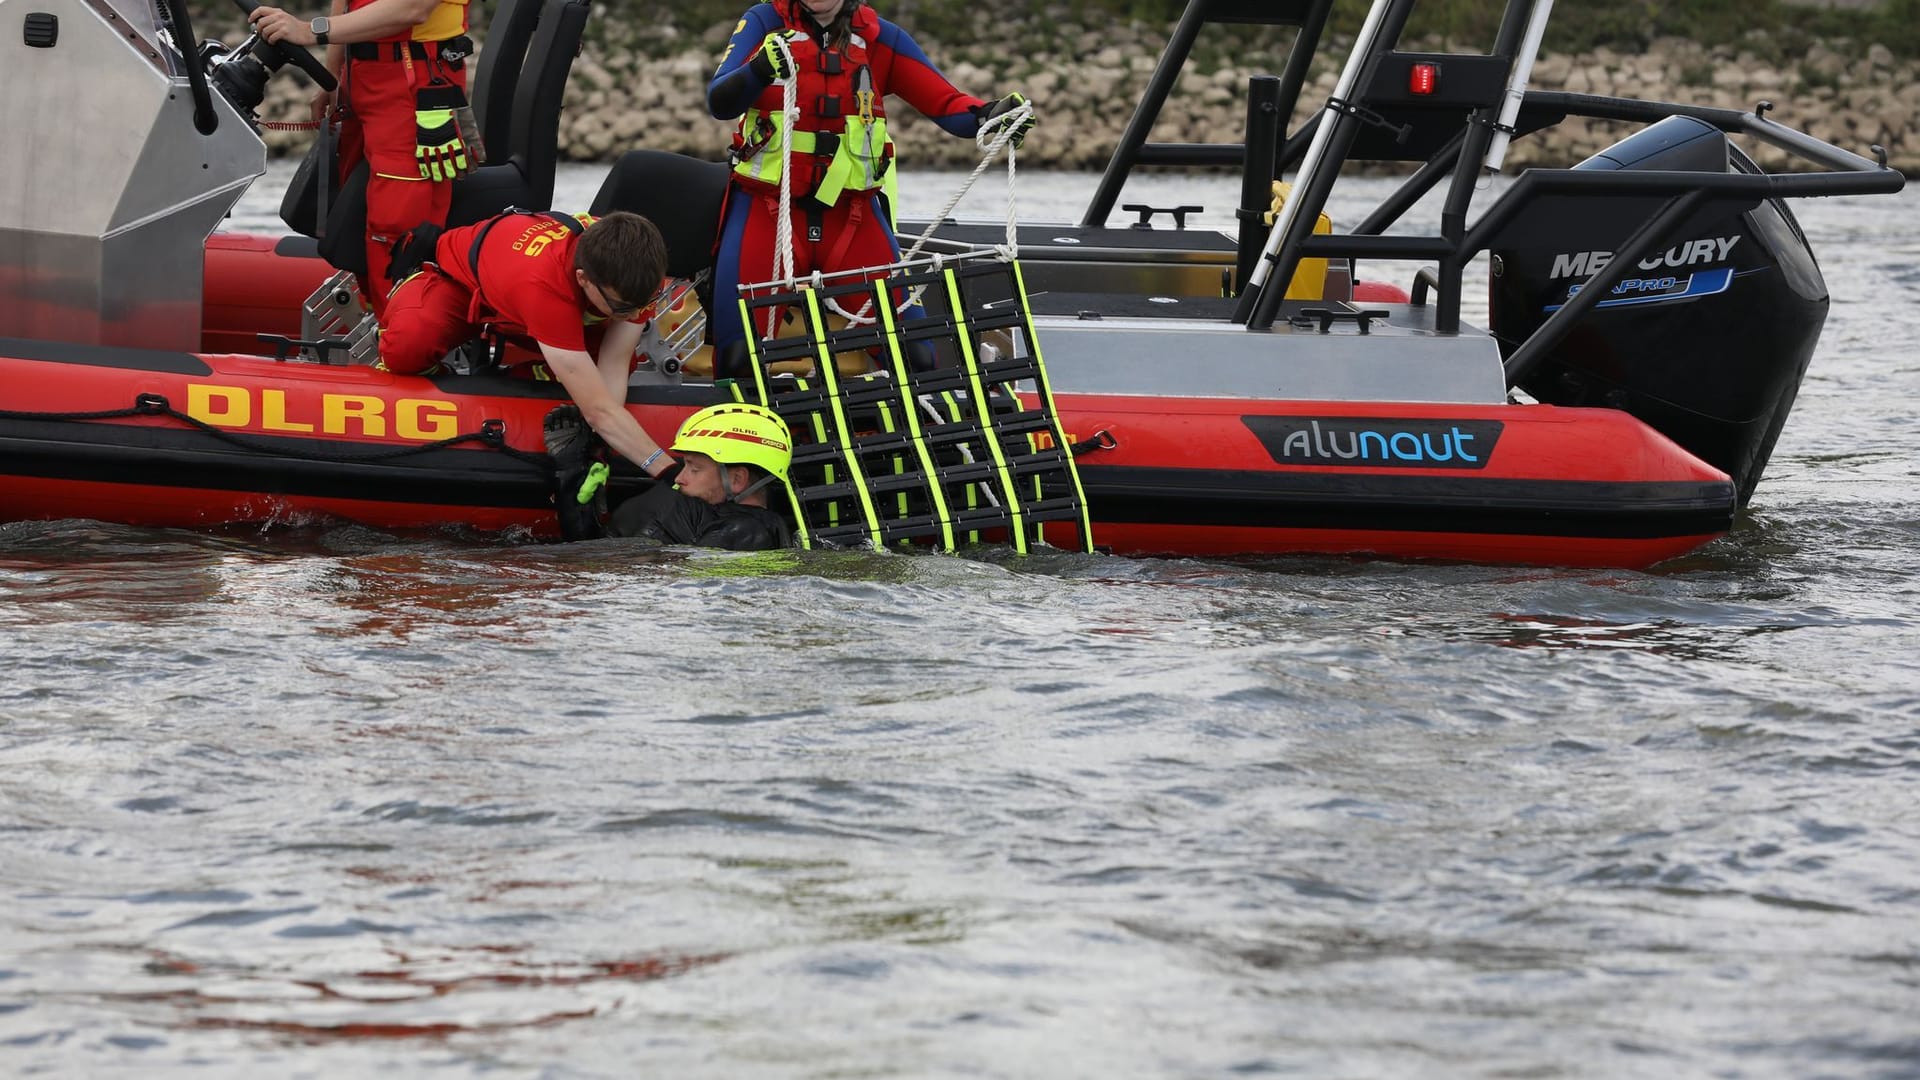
x: 770, y: 63
x: 437, y: 144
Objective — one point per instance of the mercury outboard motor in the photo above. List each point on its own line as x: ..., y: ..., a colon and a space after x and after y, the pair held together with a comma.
x: 1705, y: 340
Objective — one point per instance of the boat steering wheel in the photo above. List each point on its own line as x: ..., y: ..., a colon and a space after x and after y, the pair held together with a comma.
x: 293, y: 54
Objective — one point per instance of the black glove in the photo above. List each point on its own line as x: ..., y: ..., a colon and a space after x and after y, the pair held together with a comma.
x: 770, y: 64
x: 579, y: 473
x: 414, y: 249
x: 1001, y: 108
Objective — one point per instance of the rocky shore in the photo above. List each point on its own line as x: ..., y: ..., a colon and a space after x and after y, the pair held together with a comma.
x: 1083, y: 84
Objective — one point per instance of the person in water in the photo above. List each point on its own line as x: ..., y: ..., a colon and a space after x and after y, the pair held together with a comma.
x: 730, y: 457
x: 846, y: 60
x: 574, y: 292
x: 401, y: 66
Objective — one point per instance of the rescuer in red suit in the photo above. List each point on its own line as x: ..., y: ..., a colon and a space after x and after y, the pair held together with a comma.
x: 574, y: 291
x: 847, y: 60
x: 402, y: 70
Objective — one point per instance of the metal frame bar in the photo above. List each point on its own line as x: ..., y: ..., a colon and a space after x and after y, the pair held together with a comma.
x: 1332, y: 143
x: 1265, y: 122
x: 1133, y: 148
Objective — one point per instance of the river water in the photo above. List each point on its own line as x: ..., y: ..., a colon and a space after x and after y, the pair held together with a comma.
x: 328, y: 801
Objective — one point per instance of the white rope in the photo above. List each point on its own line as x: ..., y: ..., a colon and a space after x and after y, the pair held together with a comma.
x: 783, y: 231
x: 993, y: 136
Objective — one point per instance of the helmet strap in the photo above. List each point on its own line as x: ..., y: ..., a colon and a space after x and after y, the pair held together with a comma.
x: 751, y: 488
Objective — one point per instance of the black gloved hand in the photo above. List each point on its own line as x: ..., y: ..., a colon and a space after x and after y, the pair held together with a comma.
x: 579, y: 473
x: 413, y: 250
x: 1004, y: 106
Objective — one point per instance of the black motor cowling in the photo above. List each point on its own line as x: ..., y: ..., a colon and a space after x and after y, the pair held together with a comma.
x: 1706, y: 339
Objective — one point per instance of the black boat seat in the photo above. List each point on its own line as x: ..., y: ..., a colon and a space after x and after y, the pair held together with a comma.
x: 680, y: 194
x: 496, y: 74
x: 522, y: 139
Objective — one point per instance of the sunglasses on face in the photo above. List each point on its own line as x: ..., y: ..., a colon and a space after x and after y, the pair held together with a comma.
x: 624, y: 310
x: 616, y: 307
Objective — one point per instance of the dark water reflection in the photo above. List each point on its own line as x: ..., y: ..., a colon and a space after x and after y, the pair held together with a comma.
x: 333, y: 801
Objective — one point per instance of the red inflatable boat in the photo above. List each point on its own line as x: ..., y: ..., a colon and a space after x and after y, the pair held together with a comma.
x: 1653, y: 312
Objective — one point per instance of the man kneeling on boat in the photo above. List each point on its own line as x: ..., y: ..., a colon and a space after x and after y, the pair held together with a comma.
x: 730, y: 456
x: 574, y: 292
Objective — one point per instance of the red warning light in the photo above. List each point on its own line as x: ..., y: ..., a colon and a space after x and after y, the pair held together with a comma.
x: 1423, y: 79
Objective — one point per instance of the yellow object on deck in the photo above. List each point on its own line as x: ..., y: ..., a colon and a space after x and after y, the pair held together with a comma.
x: 700, y: 362
x: 1310, y: 280
x: 852, y: 362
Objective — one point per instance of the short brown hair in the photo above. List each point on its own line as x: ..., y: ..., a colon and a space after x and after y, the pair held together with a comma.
x: 624, y: 252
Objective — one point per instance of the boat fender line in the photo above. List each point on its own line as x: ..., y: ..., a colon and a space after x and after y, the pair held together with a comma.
x: 1099, y: 440
x: 492, y: 434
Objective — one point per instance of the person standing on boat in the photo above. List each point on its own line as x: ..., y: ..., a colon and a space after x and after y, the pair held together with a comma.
x: 573, y: 291
x: 846, y: 60
x: 401, y: 65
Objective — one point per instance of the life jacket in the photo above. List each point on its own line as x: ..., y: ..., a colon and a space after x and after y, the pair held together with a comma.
x: 840, y: 140
x: 448, y: 19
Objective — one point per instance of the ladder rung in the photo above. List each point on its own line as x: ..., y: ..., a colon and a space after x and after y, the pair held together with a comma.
x: 1021, y: 369
x: 894, y: 483
x: 998, y: 317
x: 826, y: 493
x: 942, y: 381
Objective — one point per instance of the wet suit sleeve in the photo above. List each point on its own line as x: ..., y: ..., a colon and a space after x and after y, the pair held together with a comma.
x: 734, y: 86
x: 903, y: 70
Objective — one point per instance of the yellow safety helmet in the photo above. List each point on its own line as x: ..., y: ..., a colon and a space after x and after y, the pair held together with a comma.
x: 736, y: 434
